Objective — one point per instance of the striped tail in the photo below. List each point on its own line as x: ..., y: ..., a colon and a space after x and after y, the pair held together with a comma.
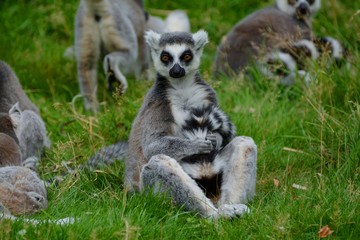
x: 108, y: 155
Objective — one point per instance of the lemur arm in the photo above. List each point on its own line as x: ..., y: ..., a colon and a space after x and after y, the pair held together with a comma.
x: 176, y: 147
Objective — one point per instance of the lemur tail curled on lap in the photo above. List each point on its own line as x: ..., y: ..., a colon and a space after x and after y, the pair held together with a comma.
x: 181, y: 142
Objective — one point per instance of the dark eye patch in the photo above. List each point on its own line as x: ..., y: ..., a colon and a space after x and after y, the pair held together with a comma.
x: 311, y: 2
x: 187, y: 56
x: 166, y: 57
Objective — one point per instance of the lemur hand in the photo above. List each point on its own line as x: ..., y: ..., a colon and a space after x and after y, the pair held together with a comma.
x: 212, y: 137
x: 215, y: 139
x: 204, y: 146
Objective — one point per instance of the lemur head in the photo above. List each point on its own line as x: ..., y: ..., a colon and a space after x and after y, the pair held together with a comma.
x: 302, y: 9
x: 176, y: 54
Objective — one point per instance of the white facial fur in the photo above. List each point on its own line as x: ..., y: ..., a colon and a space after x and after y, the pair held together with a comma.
x: 176, y: 50
x: 284, y: 6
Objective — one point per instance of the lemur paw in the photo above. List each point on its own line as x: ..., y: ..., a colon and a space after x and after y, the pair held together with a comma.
x: 114, y: 75
x: 204, y: 146
x: 212, y: 137
x: 232, y: 210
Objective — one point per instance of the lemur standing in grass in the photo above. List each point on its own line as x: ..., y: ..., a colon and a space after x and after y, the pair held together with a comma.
x: 181, y: 142
x: 280, y: 33
x: 113, y: 30
x: 27, y: 124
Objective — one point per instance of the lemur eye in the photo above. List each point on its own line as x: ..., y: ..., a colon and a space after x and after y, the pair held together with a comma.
x: 165, y: 58
x: 187, y: 57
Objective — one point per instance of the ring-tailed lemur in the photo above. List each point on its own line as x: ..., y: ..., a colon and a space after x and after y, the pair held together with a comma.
x: 272, y: 34
x: 28, y: 126
x: 113, y: 30
x: 181, y: 142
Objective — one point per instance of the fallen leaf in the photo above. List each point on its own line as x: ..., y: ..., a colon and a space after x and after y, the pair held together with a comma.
x: 276, y: 182
x: 325, y: 231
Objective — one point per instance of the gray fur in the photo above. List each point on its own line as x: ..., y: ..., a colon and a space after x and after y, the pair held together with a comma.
x: 113, y: 30
x: 279, y: 41
x: 32, y: 136
x: 259, y: 34
x: 24, y: 117
x: 10, y: 154
x: 108, y: 155
x: 176, y: 38
x: 11, y: 91
x: 21, y: 190
x: 157, y: 145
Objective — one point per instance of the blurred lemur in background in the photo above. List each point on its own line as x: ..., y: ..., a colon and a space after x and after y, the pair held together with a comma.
x: 280, y: 34
x: 181, y: 143
x: 22, y: 141
x: 113, y: 31
x: 26, y: 121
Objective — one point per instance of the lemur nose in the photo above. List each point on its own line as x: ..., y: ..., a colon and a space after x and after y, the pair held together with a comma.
x: 177, y: 71
x: 303, y: 8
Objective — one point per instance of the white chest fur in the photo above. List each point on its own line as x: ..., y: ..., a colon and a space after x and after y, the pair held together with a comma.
x: 183, y: 99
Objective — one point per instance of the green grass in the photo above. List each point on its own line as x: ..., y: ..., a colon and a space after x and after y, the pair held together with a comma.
x: 305, y: 135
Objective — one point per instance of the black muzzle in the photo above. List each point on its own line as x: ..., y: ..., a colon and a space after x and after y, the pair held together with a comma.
x: 177, y: 71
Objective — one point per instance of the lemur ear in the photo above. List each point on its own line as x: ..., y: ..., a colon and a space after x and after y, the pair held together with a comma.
x: 15, y: 114
x: 152, y: 38
x: 200, y: 39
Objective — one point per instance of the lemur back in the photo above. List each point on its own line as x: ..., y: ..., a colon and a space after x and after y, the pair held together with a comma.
x: 278, y: 35
x: 11, y: 91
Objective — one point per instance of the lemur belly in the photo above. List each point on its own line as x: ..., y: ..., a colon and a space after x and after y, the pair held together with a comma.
x: 186, y: 103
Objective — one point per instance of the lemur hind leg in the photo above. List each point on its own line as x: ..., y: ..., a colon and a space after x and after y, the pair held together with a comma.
x: 164, y: 174
x: 238, y: 163
x: 116, y: 64
x: 88, y: 53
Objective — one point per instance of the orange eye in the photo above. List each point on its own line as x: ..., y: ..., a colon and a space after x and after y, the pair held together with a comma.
x: 187, y: 57
x: 165, y: 58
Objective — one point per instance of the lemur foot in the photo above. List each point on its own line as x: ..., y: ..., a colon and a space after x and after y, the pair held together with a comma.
x: 232, y: 210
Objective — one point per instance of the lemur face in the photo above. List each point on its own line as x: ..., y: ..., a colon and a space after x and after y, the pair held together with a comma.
x: 302, y: 9
x: 176, y: 60
x: 176, y: 54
